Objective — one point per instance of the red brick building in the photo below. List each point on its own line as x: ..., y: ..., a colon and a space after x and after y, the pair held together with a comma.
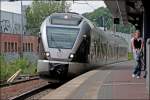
x: 12, y: 43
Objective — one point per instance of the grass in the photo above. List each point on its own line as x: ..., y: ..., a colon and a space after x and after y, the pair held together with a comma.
x: 8, y: 69
x: 130, y: 56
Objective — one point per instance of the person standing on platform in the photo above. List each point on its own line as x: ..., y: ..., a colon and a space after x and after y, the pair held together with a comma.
x: 137, y: 48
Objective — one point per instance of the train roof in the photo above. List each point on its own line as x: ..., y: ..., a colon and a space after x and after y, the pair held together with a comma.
x: 72, y: 19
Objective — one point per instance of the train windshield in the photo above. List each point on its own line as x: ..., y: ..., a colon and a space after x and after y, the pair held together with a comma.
x: 61, y: 38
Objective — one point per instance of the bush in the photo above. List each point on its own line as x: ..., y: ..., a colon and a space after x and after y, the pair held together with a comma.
x: 130, y: 56
x: 8, y: 69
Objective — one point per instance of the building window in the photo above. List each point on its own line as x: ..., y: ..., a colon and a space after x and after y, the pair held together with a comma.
x: 23, y: 47
x: 15, y: 47
x: 31, y: 47
x: 5, y: 47
x: 28, y: 47
x: 12, y: 47
x: 8, y: 46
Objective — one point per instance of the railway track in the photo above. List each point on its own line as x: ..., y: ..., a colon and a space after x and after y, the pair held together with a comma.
x: 20, y: 79
x: 28, y: 89
x: 29, y: 94
x: 17, y: 89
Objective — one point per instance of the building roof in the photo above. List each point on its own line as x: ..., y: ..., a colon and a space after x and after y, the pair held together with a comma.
x: 127, y: 10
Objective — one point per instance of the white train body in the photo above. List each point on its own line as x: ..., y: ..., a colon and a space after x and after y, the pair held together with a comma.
x: 71, y: 44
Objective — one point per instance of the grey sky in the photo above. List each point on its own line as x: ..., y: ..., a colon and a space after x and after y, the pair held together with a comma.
x: 77, y: 6
x: 86, y: 6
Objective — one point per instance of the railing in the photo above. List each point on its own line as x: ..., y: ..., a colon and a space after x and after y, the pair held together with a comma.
x: 148, y: 63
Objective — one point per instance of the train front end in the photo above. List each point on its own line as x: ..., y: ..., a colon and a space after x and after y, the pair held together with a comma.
x: 60, y: 39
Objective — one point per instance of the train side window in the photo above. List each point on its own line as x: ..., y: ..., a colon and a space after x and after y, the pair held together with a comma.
x: 5, y: 47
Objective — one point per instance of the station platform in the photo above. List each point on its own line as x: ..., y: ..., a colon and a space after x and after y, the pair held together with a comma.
x: 109, y: 82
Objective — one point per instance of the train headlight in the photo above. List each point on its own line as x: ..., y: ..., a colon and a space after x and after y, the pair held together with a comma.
x: 47, y: 54
x: 71, y: 55
x: 65, y: 17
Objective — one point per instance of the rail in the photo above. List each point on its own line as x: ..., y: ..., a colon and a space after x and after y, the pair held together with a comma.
x: 37, y: 90
x: 30, y: 93
x: 20, y: 80
x: 148, y: 63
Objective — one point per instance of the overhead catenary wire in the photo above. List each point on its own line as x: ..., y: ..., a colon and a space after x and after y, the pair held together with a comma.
x: 85, y: 3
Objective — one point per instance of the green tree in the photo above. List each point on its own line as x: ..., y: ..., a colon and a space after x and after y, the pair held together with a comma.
x: 97, y: 16
x: 102, y: 17
x: 39, y: 10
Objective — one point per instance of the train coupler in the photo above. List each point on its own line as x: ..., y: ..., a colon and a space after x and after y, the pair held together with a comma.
x: 58, y: 71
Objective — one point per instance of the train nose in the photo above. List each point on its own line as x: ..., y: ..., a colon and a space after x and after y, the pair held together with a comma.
x: 58, y: 71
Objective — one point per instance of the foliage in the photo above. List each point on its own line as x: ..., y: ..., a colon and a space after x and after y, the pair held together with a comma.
x: 95, y: 16
x: 102, y: 17
x: 39, y: 10
x: 130, y: 56
x: 8, y: 69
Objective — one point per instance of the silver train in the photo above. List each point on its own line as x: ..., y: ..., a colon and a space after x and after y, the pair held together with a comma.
x: 71, y: 45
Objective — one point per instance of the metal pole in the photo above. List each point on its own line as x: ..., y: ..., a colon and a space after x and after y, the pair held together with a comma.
x: 148, y: 64
x: 21, y: 35
x: 62, y: 2
x: 103, y: 20
x: 114, y: 28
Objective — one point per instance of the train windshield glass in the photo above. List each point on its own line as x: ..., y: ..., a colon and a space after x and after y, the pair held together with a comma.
x: 62, y: 38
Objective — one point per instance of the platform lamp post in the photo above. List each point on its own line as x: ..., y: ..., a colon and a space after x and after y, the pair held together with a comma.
x: 21, y: 34
x: 116, y: 21
x: 102, y: 22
